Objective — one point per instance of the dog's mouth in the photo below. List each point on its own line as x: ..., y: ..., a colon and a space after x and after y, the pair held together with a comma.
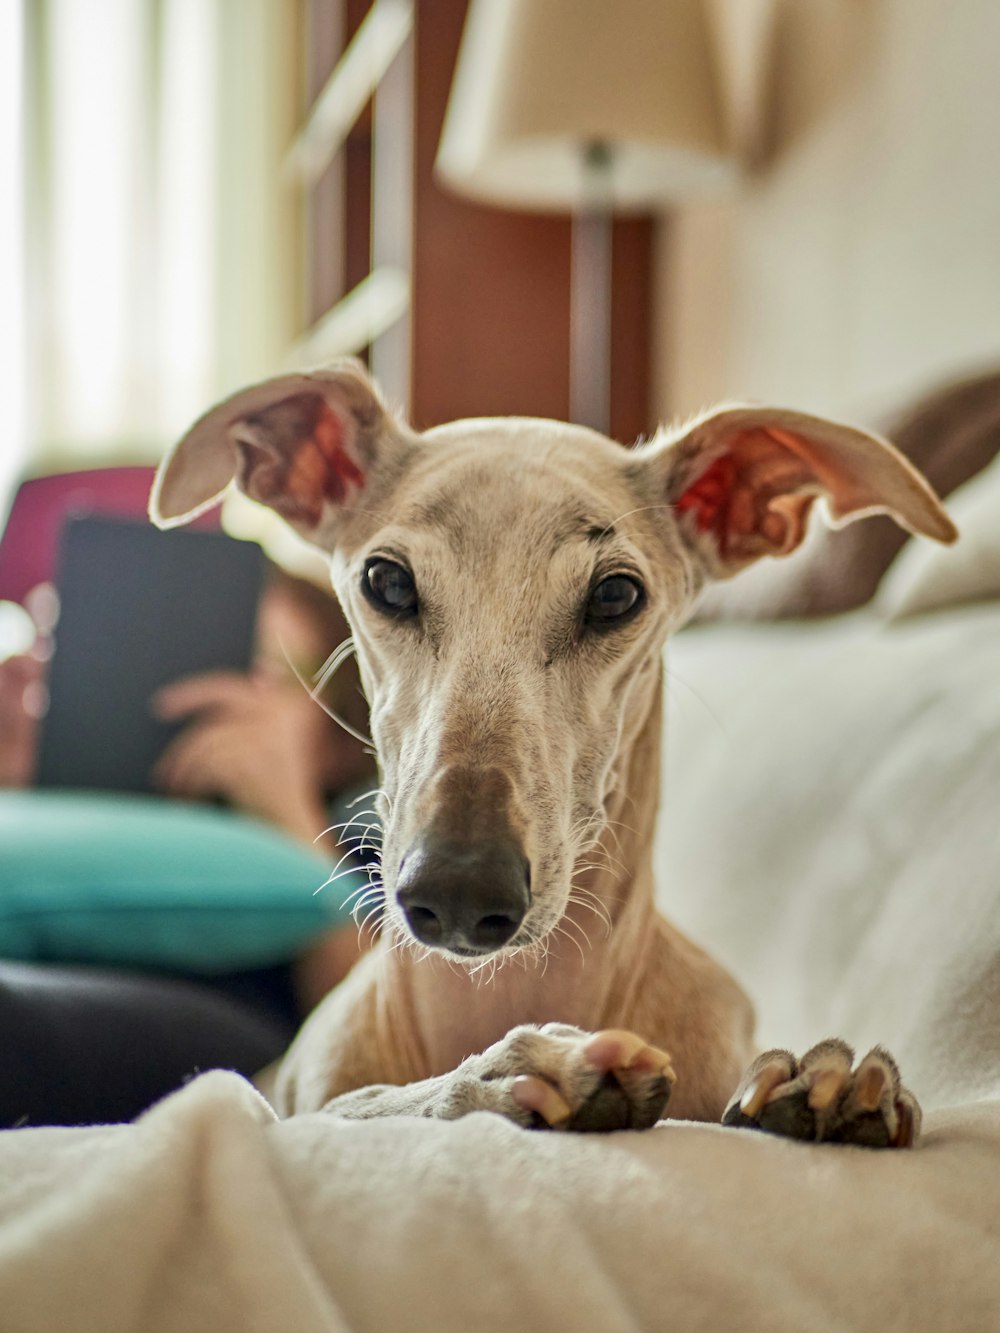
x: 523, y: 940
x: 459, y: 951
x: 467, y: 953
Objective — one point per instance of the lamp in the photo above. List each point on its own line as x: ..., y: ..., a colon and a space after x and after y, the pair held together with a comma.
x: 591, y: 106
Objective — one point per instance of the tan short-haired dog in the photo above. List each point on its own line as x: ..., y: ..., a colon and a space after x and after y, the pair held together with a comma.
x: 510, y: 584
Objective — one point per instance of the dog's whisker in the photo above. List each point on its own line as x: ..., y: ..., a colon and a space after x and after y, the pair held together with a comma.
x: 596, y: 907
x: 360, y: 895
x: 560, y: 930
x: 567, y: 923
x: 599, y: 848
x: 339, y: 655
x: 365, y: 894
x: 612, y: 826
x: 363, y: 841
x: 349, y: 823
x: 342, y: 827
x: 642, y: 509
x: 362, y: 917
x: 375, y: 791
x: 364, y: 925
x: 333, y: 879
x: 369, y: 844
x: 601, y: 867
x: 314, y: 696
x: 617, y: 823
x: 347, y: 856
x: 610, y: 863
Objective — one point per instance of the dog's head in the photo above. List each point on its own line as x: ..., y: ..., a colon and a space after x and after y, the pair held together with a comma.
x: 510, y: 583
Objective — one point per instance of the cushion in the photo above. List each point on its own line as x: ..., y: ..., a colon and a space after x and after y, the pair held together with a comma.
x: 928, y: 577
x: 130, y: 880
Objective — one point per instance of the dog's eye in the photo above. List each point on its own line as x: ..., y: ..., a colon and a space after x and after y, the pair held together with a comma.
x: 389, y: 587
x: 613, y: 599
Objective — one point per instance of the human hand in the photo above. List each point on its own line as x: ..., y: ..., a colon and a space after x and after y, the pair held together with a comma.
x: 257, y: 741
x: 21, y: 690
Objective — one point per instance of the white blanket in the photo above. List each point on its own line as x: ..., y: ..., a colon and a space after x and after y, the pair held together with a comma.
x: 831, y: 831
x: 207, y: 1214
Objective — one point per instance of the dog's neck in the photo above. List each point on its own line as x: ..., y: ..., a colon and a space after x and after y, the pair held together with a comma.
x: 595, y: 960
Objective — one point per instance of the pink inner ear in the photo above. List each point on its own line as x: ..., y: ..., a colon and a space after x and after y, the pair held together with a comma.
x: 709, y: 498
x: 310, y: 463
x: 750, y: 499
x: 322, y: 460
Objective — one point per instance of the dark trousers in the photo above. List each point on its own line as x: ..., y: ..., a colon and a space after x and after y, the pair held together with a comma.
x: 81, y: 1046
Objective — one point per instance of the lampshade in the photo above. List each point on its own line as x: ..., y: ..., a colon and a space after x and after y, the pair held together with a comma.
x: 539, y: 82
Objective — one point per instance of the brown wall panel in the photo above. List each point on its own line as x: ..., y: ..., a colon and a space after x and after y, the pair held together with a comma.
x: 632, y: 329
x: 490, y: 287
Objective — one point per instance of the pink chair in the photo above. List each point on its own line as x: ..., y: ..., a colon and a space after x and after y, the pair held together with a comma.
x: 30, y: 541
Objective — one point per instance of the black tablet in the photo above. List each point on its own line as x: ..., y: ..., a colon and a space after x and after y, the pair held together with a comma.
x: 138, y: 608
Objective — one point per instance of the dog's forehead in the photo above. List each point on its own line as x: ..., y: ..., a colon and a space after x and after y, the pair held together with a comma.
x: 530, y: 471
x: 530, y: 434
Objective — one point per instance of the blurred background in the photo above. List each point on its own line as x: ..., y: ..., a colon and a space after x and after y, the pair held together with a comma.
x: 199, y: 193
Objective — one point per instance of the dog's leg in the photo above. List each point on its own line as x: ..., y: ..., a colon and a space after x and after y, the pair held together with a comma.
x: 822, y: 1098
x: 551, y: 1077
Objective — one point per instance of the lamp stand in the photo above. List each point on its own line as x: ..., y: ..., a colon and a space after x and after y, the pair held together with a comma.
x: 590, y: 295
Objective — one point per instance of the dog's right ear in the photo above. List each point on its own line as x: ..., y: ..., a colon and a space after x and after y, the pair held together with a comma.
x: 306, y: 445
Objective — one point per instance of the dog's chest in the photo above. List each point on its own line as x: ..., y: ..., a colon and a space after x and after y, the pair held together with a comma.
x: 463, y: 1015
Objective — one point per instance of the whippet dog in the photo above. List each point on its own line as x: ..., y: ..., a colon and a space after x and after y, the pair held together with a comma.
x: 510, y: 584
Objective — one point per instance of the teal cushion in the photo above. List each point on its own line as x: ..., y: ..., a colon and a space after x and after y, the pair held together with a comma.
x: 131, y: 880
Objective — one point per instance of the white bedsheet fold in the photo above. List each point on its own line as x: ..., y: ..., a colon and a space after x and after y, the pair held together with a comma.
x: 210, y: 1214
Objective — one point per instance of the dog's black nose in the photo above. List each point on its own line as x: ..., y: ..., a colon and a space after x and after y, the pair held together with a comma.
x: 462, y: 896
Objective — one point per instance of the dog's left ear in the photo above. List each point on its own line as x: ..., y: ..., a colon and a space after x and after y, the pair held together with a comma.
x: 742, y: 481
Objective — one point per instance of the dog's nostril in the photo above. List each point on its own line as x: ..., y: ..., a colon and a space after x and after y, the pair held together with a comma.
x: 495, y: 922
x: 494, y: 930
x: 424, y: 923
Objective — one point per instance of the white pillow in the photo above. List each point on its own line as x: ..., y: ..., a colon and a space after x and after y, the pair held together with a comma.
x: 926, y: 576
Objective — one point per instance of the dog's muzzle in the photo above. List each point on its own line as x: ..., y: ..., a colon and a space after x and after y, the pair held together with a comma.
x: 467, y: 897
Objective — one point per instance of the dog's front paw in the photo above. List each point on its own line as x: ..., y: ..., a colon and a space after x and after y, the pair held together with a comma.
x: 559, y: 1077
x: 822, y: 1098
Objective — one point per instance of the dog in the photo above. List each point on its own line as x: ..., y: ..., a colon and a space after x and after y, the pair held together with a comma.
x: 510, y: 584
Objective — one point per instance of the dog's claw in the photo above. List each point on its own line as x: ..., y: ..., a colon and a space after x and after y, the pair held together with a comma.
x: 908, y: 1127
x: 617, y: 1049
x: 762, y: 1087
x: 827, y: 1088
x: 869, y: 1087
x: 534, y: 1094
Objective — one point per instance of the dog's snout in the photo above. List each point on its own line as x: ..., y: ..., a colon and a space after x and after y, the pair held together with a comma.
x: 469, y: 898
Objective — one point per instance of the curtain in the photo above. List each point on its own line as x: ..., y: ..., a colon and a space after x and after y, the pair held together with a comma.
x: 162, y: 248
x: 12, y: 277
